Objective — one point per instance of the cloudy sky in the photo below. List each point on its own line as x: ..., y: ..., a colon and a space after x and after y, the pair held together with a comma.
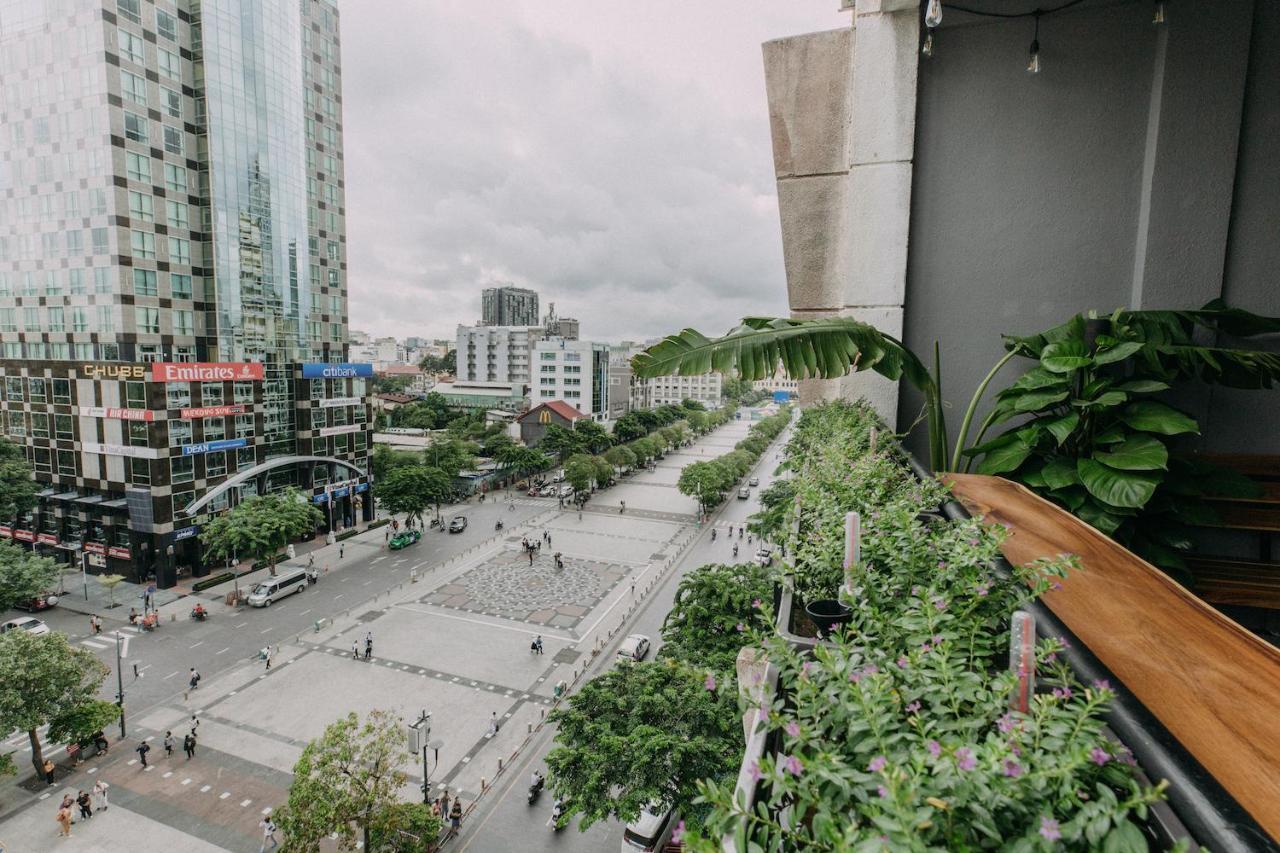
x: 613, y: 156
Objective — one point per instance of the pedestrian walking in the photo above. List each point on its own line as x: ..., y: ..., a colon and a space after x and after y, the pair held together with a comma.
x: 189, y: 746
x: 168, y: 744
x: 268, y: 834
x: 444, y: 803
x: 538, y: 641
x: 195, y: 678
x: 195, y: 724
x: 311, y: 561
x: 95, y: 627
x: 342, y: 551
x: 100, y: 794
x: 386, y: 535
x: 142, y: 750
x: 493, y: 723
x: 268, y: 656
x: 48, y: 771
x: 735, y: 550
x: 633, y: 587
x: 355, y: 649
x: 368, y: 645
x: 86, y: 806
x: 455, y: 816
x: 64, y: 821
x: 435, y: 807
x: 531, y: 558
x: 292, y: 552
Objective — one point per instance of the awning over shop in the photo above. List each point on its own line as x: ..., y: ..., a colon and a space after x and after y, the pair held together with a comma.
x: 89, y: 499
x: 66, y: 496
x: 118, y: 503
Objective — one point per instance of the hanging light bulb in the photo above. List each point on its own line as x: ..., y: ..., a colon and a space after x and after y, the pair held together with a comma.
x: 933, y: 14
x: 927, y: 48
x: 1033, y: 58
x: 1157, y: 16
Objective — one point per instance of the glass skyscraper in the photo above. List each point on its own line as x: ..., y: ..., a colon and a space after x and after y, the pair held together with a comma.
x: 173, y: 268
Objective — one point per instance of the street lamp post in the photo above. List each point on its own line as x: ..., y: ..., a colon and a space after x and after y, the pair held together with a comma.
x: 119, y: 686
x: 84, y: 571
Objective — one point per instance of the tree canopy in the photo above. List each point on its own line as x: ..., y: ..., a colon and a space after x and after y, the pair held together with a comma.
x: 562, y: 442
x: 580, y: 473
x: 260, y: 526
x: 705, y: 481
x: 714, y: 607
x: 24, y: 574
x: 17, y: 488
x: 413, y: 488
x: 595, y: 438
x: 451, y: 455
x: 524, y: 460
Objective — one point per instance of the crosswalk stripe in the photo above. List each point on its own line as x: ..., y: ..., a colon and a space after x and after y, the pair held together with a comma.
x: 91, y: 644
x: 244, y: 803
x: 224, y: 795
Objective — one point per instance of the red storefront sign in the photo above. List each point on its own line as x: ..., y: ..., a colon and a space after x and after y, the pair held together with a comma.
x: 204, y: 371
x: 120, y: 553
x: 6, y: 531
x: 132, y: 414
x: 47, y: 539
x: 211, y: 412
x: 24, y: 535
x: 95, y: 547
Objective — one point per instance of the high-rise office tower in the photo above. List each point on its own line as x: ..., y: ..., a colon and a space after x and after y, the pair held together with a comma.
x: 173, y: 305
x: 509, y: 306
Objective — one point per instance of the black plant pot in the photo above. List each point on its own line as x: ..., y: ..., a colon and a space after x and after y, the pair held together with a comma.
x: 828, y: 614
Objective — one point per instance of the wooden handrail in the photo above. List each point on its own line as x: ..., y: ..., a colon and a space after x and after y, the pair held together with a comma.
x: 1211, y: 683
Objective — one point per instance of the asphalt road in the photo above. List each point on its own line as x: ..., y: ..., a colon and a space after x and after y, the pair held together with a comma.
x: 504, y: 820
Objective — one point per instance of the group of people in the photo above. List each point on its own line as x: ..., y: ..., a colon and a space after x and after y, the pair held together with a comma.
x: 441, y: 808
x: 88, y: 802
x: 368, y: 647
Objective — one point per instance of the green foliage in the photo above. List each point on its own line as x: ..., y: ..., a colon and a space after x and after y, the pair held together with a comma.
x: 1091, y: 437
x: 715, y: 607
x: 580, y: 473
x: 346, y: 782
x: 24, y: 574
x: 628, y: 428
x: 451, y: 455
x: 385, y: 459
x: 705, y: 481
x: 692, y: 406
x: 405, y: 828
x: 259, y: 527
x: 775, y: 502
x: 495, y: 444
x: 595, y: 438
x: 603, y: 470
x: 638, y: 734
x: 44, y: 678
x: 699, y: 422
x: 410, y: 490
x: 562, y: 442
x: 448, y: 363
x: 524, y: 460
x: 81, y: 722
x: 17, y: 488
x: 621, y: 457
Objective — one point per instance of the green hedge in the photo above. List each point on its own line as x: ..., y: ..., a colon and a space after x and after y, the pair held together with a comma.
x: 212, y: 580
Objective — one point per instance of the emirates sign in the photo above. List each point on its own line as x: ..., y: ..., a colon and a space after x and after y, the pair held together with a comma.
x: 200, y: 371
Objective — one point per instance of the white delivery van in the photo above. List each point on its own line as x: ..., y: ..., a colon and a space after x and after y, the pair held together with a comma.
x: 276, y: 588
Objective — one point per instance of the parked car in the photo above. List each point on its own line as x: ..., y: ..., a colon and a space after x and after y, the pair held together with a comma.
x: 634, y: 647
x: 649, y: 831
x: 404, y: 539
x: 744, y: 493
x: 535, y: 492
x: 30, y: 624
x: 754, y: 481
x: 764, y: 556
x: 458, y: 524
x: 273, y: 589
x: 40, y: 602
x: 566, y: 491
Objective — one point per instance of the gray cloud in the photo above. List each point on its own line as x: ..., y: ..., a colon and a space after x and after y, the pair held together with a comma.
x: 615, y: 157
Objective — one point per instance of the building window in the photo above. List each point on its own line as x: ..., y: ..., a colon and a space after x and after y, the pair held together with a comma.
x: 144, y: 244
x: 180, y: 285
x: 107, y: 323
x: 244, y: 392
x: 178, y: 394
x: 38, y: 390
x: 179, y: 251
x: 172, y: 140
x: 135, y: 395
x: 246, y: 457
x: 57, y: 321
x: 67, y: 462
x: 211, y: 394
x: 99, y: 238
x: 137, y: 166
x: 177, y: 213
x: 215, y: 464
x: 139, y: 435
x: 215, y: 429
x: 44, y: 460
x: 139, y: 471
x: 31, y: 319
x: 149, y: 321
x: 179, y: 433
x: 169, y: 64
x: 39, y: 425
x: 13, y: 388
x: 133, y: 87
x: 175, y: 178
x: 141, y: 206
x: 182, y: 323
x: 63, y: 428
x: 166, y: 25
x: 182, y: 469
x: 244, y: 426
x: 8, y: 321
x: 144, y: 282
x: 130, y: 46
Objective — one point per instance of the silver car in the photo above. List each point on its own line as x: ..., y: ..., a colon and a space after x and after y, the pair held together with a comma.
x: 30, y: 624
x: 634, y: 647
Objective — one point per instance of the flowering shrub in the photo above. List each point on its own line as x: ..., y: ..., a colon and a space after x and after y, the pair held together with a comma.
x: 898, y: 734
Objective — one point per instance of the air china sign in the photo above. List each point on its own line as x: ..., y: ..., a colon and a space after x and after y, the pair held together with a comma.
x: 226, y: 371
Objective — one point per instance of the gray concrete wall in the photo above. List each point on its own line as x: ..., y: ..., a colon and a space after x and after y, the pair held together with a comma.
x: 1138, y: 169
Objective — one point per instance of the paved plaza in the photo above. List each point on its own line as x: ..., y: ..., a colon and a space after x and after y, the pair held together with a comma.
x: 451, y: 637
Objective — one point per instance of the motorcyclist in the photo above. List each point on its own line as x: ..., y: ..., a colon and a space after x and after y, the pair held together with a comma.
x: 735, y: 550
x: 713, y: 534
x: 536, y: 780
x: 198, y: 612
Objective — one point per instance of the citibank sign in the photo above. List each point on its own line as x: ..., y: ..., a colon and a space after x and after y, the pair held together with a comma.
x: 335, y: 371
x: 226, y: 371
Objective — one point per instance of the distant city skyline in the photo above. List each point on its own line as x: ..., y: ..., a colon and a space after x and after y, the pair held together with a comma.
x: 615, y: 159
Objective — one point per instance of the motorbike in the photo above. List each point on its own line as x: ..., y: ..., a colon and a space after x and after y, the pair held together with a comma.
x: 497, y: 525
x: 557, y: 811
x: 199, y: 615
x: 535, y: 789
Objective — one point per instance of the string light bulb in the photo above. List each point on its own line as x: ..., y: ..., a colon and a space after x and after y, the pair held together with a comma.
x: 926, y: 49
x: 933, y: 14
x: 1157, y: 15
x: 1033, y: 57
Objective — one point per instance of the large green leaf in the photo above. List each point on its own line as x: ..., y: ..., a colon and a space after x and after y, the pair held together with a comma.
x: 1062, y: 427
x: 1038, y: 377
x: 1105, y: 400
x: 1114, y: 487
x: 1092, y: 512
x: 1033, y: 401
x: 1060, y: 473
x: 1005, y: 457
x: 1142, y: 386
x: 1065, y: 356
x: 1151, y: 416
x: 1117, y: 352
x: 1140, y: 453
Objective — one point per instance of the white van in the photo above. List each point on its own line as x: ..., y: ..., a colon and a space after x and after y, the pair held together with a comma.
x: 649, y: 832
x: 276, y: 588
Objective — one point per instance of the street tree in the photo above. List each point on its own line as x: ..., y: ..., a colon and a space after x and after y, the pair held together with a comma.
x: 562, y: 442
x: 705, y: 481
x: 410, y: 490
x: 715, y: 606
x: 451, y: 455
x: 385, y: 459
x: 595, y: 438
x: 620, y: 457
x: 493, y: 445
x: 111, y: 582
x: 259, y: 527
x: 525, y: 461
x: 346, y: 781
x: 405, y: 828
x: 17, y: 488
x: 417, y: 415
x: 83, y: 721
x: 628, y: 428
x: 639, y: 734
x: 580, y: 473
x: 44, y: 678
x: 604, y: 471
x: 24, y: 574
x: 699, y: 422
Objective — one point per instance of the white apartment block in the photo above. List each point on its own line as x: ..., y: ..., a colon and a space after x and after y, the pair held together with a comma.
x: 496, y: 353
x: 673, y: 390
x: 576, y: 372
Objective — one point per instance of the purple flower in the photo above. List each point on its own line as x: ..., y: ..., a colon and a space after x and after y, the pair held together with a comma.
x: 762, y: 715
x: 965, y: 760
x: 793, y: 765
x: 912, y: 707
x: 1124, y: 756
x: 882, y: 791
x: 870, y: 669
x: 942, y: 564
x: 805, y: 667
x: 1049, y: 828
x: 856, y: 676
x: 903, y: 662
x: 755, y: 602
x: 677, y: 834
x: 926, y: 647
x: 939, y: 604
x: 974, y: 542
x: 754, y: 771
x: 1051, y: 657
x: 935, y: 748
x: 741, y: 628
x: 1005, y: 723
x: 1062, y: 693
x: 937, y: 639
x: 1012, y: 769
x: 1101, y: 684
x: 877, y: 764
x: 1055, y: 585
x: 709, y: 682
x: 1099, y: 756
x: 983, y: 589
x: 793, y: 728
x: 915, y: 590
x: 1064, y: 642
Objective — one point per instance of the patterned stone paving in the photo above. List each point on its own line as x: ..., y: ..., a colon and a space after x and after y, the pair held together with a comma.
x: 505, y: 585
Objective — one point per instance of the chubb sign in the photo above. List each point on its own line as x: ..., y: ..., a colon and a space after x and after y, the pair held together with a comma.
x: 200, y: 371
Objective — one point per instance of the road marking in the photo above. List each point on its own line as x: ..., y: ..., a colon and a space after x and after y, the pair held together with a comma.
x: 344, y: 580
x: 366, y: 583
x: 201, y: 643
x: 265, y: 630
x: 131, y: 762
x: 224, y: 795
x: 244, y: 803
x: 305, y: 612
x: 91, y: 644
x: 227, y: 649
x: 170, y: 675
x: 242, y: 624
x: 186, y: 781
x: 205, y: 788
x: 167, y: 775
x: 377, y: 559
x: 91, y: 770
x: 267, y: 810
x: 339, y: 595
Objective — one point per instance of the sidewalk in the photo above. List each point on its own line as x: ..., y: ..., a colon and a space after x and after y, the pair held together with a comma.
x: 126, y: 595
